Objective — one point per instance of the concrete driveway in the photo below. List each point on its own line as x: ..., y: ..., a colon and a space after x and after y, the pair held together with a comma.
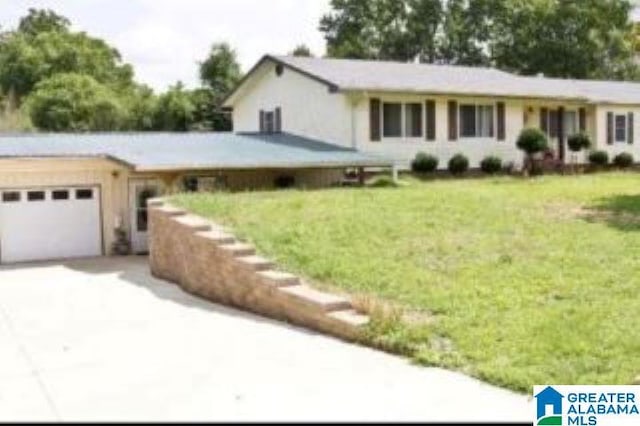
x: 101, y: 340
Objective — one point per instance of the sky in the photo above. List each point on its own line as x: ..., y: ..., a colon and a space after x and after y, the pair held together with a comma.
x: 165, y: 39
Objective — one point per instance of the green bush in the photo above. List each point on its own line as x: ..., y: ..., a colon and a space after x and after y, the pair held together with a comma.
x: 578, y: 142
x: 623, y: 160
x: 599, y: 158
x: 424, y: 163
x: 458, y: 164
x: 532, y: 141
x: 491, y: 165
x: 382, y: 182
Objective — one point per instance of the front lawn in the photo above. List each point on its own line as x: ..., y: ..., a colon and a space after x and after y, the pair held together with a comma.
x: 517, y: 282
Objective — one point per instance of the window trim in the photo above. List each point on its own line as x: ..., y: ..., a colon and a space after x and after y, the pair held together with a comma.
x: 401, y: 134
x: 409, y: 112
x: 477, y: 107
x: 625, y: 128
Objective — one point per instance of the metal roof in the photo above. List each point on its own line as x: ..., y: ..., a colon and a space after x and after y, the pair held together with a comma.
x: 401, y: 77
x: 189, y: 151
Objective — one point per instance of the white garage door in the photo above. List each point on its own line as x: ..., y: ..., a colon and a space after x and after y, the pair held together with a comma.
x: 51, y: 223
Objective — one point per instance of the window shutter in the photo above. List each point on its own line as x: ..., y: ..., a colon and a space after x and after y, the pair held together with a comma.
x: 374, y: 119
x: 278, y: 120
x: 544, y: 120
x: 610, y: 125
x: 261, y: 121
x: 453, y: 120
x: 501, y: 122
x: 430, y: 108
x: 582, y: 119
x: 630, y: 134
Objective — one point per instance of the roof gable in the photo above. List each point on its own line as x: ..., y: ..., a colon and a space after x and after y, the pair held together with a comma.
x: 399, y: 77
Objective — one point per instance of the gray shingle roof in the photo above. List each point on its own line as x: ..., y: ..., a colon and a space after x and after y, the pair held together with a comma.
x: 446, y: 79
x: 184, y: 151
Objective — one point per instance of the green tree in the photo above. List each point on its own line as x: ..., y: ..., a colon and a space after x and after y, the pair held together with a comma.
x: 302, y: 50
x: 140, y: 103
x: 565, y: 38
x: 220, y: 71
x: 350, y: 29
x: 74, y: 102
x: 42, y: 21
x: 174, y: 110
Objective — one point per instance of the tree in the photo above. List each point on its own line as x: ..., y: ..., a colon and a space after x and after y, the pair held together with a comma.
x: 174, y: 110
x: 26, y: 60
x: 350, y: 29
x: 42, y: 21
x: 74, y: 102
x: 568, y: 38
x: 302, y: 50
x: 423, y: 25
x: 220, y: 71
x: 532, y: 141
x: 140, y: 103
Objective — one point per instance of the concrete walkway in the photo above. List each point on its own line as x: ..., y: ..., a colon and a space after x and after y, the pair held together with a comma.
x: 101, y: 340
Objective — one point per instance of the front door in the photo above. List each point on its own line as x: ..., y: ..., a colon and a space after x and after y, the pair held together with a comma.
x: 140, y: 191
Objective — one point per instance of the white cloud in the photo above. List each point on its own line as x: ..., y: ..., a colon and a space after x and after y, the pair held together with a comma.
x: 164, y: 39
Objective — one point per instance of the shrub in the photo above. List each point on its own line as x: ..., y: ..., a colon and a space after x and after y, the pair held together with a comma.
x: 491, y: 165
x: 532, y: 141
x: 623, y: 160
x: 599, y: 158
x: 382, y: 182
x: 424, y: 163
x: 578, y: 142
x: 458, y: 164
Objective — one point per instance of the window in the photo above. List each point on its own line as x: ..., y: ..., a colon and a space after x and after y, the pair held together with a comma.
x: 11, y: 197
x: 621, y: 128
x: 60, y: 195
x: 35, y: 196
x: 570, y: 123
x: 269, y: 122
x: 84, y: 194
x: 413, y: 120
x: 476, y: 121
x: 392, y: 120
x: 143, y: 194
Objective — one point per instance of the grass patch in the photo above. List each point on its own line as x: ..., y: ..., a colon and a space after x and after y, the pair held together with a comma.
x: 518, y: 282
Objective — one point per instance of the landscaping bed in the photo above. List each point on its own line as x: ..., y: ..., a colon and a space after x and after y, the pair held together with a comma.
x: 515, y: 281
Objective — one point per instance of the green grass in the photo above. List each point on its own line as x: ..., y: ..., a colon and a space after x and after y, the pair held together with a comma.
x: 516, y: 282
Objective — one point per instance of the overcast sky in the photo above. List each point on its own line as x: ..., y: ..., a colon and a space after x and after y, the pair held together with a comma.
x: 164, y: 39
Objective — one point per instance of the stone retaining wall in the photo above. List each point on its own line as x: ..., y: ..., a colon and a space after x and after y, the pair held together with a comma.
x: 208, y: 261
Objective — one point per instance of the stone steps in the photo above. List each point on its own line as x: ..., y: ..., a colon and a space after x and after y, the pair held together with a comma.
x: 196, y: 223
x: 350, y: 317
x: 238, y: 249
x: 256, y: 263
x: 315, y: 299
x: 279, y: 279
x: 218, y: 236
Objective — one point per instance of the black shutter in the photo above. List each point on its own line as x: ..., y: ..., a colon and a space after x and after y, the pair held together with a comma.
x: 501, y: 122
x: 374, y: 119
x: 453, y: 120
x: 261, y: 119
x: 430, y: 108
x: 610, y: 125
x: 582, y: 119
x: 630, y: 134
x: 544, y: 120
x: 278, y: 120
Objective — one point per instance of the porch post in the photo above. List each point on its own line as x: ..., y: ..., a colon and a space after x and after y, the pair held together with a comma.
x: 361, y: 177
x: 394, y: 172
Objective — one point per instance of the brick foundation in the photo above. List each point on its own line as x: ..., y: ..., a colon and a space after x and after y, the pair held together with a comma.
x: 208, y: 261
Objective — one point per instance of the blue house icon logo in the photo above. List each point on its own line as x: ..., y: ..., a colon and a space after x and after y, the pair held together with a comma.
x: 549, y: 407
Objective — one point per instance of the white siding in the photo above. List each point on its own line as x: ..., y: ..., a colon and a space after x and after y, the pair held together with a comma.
x: 403, y: 150
x: 308, y: 109
x: 601, y: 131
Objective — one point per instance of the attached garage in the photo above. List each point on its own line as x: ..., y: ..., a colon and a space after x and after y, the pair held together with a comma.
x: 49, y: 223
x: 81, y: 195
